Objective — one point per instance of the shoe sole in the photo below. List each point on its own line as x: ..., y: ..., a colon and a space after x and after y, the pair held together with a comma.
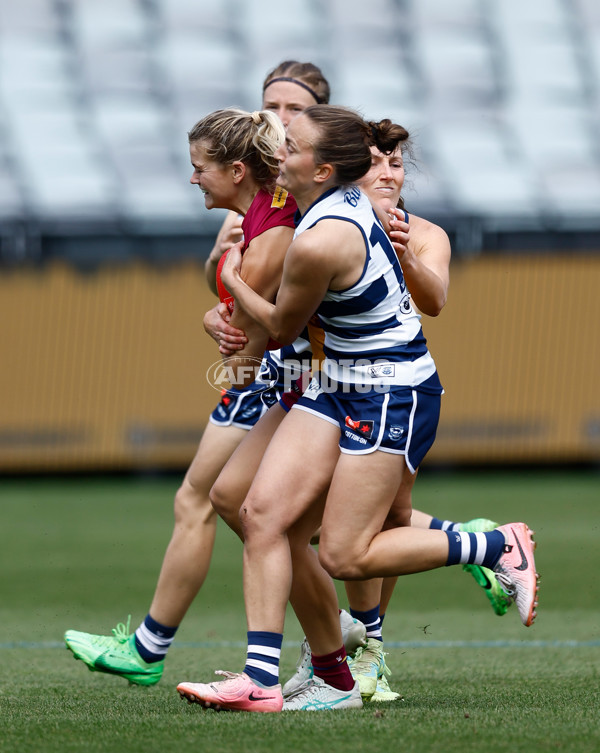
x: 532, y: 611
x: 355, y: 704
x: 532, y: 614
x: 133, y: 680
x: 386, y: 697
x: 190, y: 697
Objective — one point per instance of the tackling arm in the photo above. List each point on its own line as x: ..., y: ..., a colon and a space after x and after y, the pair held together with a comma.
x: 261, y: 273
x: 424, y: 252
x: 307, y: 273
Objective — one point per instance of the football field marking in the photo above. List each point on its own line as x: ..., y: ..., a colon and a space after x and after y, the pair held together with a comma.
x: 388, y: 644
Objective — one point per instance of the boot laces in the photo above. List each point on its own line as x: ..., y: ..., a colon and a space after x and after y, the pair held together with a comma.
x: 121, y: 632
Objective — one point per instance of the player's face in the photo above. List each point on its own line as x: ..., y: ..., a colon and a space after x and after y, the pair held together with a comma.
x: 296, y: 156
x: 383, y: 182
x: 214, y: 180
x: 287, y: 100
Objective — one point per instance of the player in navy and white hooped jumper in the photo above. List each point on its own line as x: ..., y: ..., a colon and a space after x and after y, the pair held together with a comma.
x: 379, y: 385
x: 375, y: 350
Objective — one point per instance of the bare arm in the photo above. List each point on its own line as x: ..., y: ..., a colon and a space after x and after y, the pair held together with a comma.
x: 261, y: 273
x: 312, y: 265
x: 424, y: 253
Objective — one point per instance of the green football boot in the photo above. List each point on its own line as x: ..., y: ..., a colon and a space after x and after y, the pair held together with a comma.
x: 367, y: 667
x: 383, y: 693
x: 497, y: 596
x: 114, y: 654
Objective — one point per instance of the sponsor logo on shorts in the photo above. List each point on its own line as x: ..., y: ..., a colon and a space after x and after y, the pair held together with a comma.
x: 354, y: 438
x: 314, y: 386
x: 363, y: 428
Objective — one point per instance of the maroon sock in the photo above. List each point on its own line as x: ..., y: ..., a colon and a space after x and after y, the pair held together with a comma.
x: 333, y: 669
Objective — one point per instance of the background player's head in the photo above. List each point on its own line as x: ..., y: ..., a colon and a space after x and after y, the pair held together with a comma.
x: 384, y: 181
x: 291, y: 87
x: 232, y: 148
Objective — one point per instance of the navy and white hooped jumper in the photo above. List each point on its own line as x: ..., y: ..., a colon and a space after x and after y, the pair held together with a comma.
x: 379, y: 382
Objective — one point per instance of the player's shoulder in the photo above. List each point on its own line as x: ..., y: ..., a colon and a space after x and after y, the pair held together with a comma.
x: 328, y: 232
x: 324, y: 250
x: 278, y: 202
x: 426, y: 231
x: 415, y: 221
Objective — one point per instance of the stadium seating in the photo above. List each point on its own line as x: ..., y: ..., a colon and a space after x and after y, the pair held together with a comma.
x: 96, y: 97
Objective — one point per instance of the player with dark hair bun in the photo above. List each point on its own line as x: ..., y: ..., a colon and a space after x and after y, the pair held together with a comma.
x: 368, y: 417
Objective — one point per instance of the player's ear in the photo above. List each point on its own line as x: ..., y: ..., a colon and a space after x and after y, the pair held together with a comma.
x: 238, y: 171
x: 323, y: 172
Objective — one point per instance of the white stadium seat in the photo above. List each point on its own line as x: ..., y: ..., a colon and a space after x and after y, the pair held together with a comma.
x: 499, y: 97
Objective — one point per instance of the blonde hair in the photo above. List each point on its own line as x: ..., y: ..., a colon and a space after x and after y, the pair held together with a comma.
x: 233, y: 135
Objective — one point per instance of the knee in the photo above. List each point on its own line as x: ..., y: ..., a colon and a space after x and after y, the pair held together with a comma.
x: 190, y: 506
x: 340, y: 562
x: 258, y: 520
x: 249, y: 519
x: 397, y: 518
x: 222, y: 501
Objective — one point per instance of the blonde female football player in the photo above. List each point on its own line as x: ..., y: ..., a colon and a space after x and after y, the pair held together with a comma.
x: 139, y: 657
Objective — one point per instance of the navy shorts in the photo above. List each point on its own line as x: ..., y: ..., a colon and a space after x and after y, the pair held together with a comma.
x: 402, y: 420
x: 243, y: 408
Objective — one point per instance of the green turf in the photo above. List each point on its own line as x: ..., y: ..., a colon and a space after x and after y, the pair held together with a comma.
x: 85, y: 553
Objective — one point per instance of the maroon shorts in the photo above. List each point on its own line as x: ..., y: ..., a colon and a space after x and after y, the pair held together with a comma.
x: 291, y: 397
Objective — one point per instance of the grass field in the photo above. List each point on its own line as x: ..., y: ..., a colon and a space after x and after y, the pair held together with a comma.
x: 84, y: 553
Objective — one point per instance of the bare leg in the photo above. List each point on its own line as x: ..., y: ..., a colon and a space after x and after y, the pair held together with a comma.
x: 227, y: 496
x: 187, y: 559
x: 313, y: 595
x: 420, y: 519
x: 282, y: 493
x: 353, y: 545
x: 233, y: 484
x: 387, y: 589
x: 365, y: 595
